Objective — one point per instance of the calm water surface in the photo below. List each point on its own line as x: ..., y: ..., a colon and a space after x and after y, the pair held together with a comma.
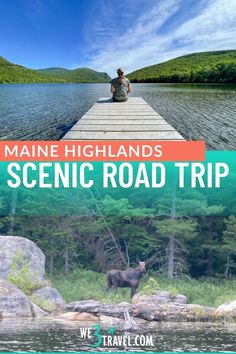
x: 49, y: 335
x: 47, y: 111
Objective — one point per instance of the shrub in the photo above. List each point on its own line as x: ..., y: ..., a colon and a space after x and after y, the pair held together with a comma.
x: 21, y: 275
x: 150, y: 286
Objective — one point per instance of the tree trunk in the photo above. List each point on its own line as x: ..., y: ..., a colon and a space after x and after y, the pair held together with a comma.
x: 210, y: 271
x: 227, y: 270
x: 171, y: 257
x: 110, y: 232
x: 51, y: 257
x: 51, y: 264
x: 66, y: 262
x: 12, y: 212
x: 171, y: 245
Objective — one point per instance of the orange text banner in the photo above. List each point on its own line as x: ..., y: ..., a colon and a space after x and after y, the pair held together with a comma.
x: 102, y: 150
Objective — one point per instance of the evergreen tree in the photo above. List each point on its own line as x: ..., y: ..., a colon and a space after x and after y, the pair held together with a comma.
x: 229, y: 245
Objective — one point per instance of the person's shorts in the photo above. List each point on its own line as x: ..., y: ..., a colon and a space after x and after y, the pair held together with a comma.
x: 120, y: 99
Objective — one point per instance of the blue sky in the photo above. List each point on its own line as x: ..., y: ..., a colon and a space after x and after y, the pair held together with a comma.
x: 106, y: 34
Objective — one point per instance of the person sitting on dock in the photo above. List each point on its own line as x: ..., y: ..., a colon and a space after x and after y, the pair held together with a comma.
x: 120, y: 87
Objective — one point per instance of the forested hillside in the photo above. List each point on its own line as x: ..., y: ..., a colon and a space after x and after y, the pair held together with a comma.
x: 76, y: 75
x: 101, y: 232
x: 12, y: 73
x: 212, y: 67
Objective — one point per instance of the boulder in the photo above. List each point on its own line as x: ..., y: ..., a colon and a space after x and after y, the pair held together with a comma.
x: 38, y: 311
x: 12, y: 247
x: 14, y: 303
x: 96, y: 307
x: 174, y: 312
x: 80, y: 316
x: 159, y: 297
x: 160, y: 306
x: 84, y: 305
x: 109, y: 321
x: 164, y: 306
x: 180, y: 299
x: 91, y: 319
x: 228, y: 309
x: 120, y: 323
x: 48, y: 299
x: 104, y: 320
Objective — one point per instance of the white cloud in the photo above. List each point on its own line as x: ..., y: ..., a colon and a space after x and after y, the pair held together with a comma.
x: 135, y: 45
x: 214, y: 28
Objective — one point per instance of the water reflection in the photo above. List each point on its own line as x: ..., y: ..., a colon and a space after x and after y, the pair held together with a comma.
x: 46, y: 112
x: 51, y: 335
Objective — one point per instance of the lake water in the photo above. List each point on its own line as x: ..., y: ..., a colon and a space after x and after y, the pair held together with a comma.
x: 49, y: 335
x: 47, y: 111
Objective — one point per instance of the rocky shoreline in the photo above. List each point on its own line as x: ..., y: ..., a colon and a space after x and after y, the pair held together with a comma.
x: 46, y: 302
x: 161, y: 306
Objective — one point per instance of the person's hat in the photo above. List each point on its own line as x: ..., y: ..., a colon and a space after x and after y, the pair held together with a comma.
x: 120, y: 70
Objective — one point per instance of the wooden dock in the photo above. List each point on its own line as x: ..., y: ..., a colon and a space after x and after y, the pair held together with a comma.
x: 131, y: 120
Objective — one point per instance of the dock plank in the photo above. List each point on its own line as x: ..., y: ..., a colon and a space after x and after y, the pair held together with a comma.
x: 134, y: 119
x: 142, y: 108
x: 115, y: 107
x: 121, y: 121
x: 130, y: 100
x: 88, y: 135
x: 122, y: 128
x: 133, y: 113
x: 122, y: 117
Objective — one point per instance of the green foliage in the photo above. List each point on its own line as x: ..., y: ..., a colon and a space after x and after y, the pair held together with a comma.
x: 207, y: 67
x: 230, y: 234
x: 76, y: 75
x: 122, y: 208
x: 43, y: 304
x: 176, y: 227
x: 211, y: 67
x: 229, y: 245
x: 204, y: 291
x: 21, y: 276
x: 96, y: 232
x: 12, y: 73
x: 85, y: 284
x: 150, y: 286
x: 172, y: 235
